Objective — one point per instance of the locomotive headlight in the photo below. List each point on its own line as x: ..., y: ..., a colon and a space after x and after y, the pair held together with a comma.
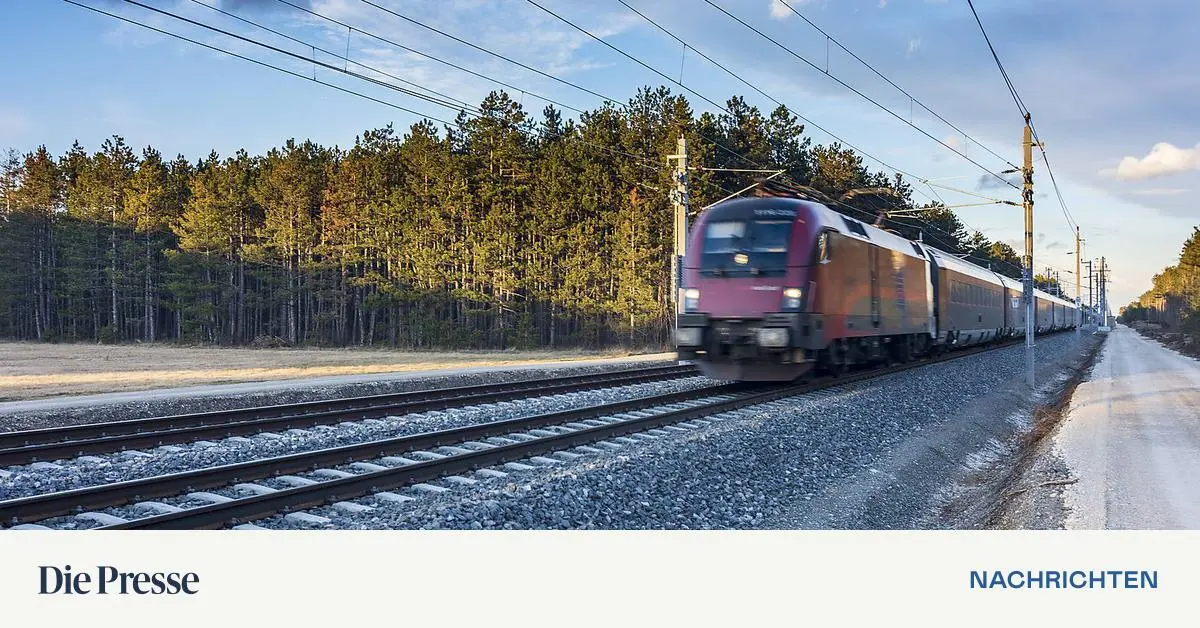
x: 791, y: 299
x: 773, y: 337
x: 691, y: 300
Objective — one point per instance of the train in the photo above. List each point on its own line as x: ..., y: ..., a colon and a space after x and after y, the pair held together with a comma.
x: 775, y: 288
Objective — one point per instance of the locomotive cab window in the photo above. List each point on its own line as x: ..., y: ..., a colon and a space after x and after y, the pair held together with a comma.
x: 745, y: 247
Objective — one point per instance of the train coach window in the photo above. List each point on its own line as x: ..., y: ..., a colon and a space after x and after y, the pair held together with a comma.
x: 823, y: 248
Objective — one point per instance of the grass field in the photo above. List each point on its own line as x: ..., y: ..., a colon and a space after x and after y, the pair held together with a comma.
x: 30, y: 370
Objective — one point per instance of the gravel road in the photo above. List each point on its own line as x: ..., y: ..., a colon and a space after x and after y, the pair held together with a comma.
x: 1131, y: 439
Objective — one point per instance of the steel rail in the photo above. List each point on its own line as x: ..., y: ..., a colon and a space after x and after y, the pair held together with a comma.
x: 257, y: 507
x: 38, y: 507
x: 17, y: 448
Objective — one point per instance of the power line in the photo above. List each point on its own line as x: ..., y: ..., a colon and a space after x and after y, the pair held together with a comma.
x: 799, y: 116
x: 458, y: 103
x: 428, y: 56
x: 488, y: 52
x: 891, y: 82
x: 512, y: 61
x: 701, y: 96
x: 641, y: 161
x: 856, y: 91
x: 465, y: 69
x: 1007, y: 81
x: 1025, y: 115
x: 603, y: 97
x: 764, y: 94
x: 315, y: 62
x: 659, y: 73
x: 1062, y: 202
x: 251, y: 60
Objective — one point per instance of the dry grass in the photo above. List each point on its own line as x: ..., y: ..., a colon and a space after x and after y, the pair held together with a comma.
x: 30, y: 370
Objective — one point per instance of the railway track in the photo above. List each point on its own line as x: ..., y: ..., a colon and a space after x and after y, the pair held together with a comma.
x: 378, y: 467
x: 50, y: 505
x: 25, y: 447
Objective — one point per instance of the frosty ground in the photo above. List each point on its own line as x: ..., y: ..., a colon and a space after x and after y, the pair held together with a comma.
x: 31, y: 370
x: 1131, y: 439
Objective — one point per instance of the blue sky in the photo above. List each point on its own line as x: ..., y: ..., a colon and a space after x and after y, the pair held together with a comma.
x: 1112, y: 86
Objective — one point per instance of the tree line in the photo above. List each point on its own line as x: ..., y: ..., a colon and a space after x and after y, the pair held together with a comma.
x: 504, y: 230
x: 1174, y: 296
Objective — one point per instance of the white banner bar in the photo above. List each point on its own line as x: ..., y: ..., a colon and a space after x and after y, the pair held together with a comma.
x: 559, y: 579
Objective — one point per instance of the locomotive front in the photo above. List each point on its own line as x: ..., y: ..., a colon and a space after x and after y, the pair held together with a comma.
x: 745, y: 279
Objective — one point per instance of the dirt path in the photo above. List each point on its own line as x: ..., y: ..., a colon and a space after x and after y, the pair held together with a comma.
x: 35, y: 370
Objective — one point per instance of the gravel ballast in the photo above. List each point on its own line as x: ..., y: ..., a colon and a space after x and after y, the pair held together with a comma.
x: 45, y: 477
x: 848, y: 457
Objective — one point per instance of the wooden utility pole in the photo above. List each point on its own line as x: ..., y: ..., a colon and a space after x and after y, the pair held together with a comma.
x: 1027, y: 202
x: 679, y: 201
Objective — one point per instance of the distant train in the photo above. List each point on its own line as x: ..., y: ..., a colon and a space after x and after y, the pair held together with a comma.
x: 775, y: 287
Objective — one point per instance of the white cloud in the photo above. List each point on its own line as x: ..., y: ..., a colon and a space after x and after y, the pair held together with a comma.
x: 883, y: 4
x: 1165, y: 158
x: 913, y: 46
x: 1161, y: 192
x: 780, y: 10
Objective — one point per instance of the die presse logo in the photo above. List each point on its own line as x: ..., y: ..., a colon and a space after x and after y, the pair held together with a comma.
x: 107, y: 580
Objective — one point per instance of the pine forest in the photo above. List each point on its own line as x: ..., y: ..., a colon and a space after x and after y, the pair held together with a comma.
x: 509, y: 229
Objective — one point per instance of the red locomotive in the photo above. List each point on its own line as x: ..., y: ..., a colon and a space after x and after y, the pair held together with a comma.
x: 777, y: 286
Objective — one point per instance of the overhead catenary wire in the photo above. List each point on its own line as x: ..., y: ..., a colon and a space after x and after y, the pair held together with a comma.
x: 719, y: 145
x: 431, y: 57
x: 618, y: 104
x: 764, y: 94
x: 641, y: 161
x: 645, y: 162
x: 315, y: 62
x: 856, y: 91
x: 457, y: 103
x: 1012, y: 90
x: 912, y: 99
x: 1025, y: 115
x: 799, y: 116
x: 650, y: 68
x: 780, y: 103
x: 701, y: 96
x: 648, y: 165
x: 706, y: 99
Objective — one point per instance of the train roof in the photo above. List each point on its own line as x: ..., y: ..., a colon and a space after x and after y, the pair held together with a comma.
x: 957, y: 264
x: 1050, y: 297
x: 1011, y: 284
x: 749, y: 207
x: 854, y: 228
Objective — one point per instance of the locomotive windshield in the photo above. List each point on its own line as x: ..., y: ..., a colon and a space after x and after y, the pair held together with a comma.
x: 745, y: 247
